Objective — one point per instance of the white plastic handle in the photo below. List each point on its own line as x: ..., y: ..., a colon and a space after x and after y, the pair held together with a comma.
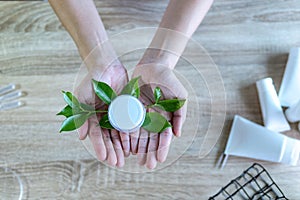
x: 11, y: 95
x: 7, y: 88
x: 11, y: 105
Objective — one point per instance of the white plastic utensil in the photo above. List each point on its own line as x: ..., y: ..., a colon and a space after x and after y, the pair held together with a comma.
x: 11, y: 105
x: 7, y: 88
x: 9, y: 180
x: 8, y: 96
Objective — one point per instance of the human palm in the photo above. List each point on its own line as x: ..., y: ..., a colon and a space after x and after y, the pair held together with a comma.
x: 153, y: 147
x: 109, y: 145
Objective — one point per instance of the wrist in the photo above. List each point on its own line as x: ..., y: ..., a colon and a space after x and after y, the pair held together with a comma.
x: 159, y: 57
x: 101, y: 57
x: 165, y: 48
x: 87, y: 41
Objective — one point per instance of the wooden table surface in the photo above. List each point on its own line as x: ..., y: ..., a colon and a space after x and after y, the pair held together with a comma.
x: 247, y: 39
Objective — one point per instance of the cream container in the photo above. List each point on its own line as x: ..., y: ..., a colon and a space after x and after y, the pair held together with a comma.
x: 272, y: 112
x: 293, y: 112
x: 126, y: 113
x: 290, y: 86
x: 250, y: 140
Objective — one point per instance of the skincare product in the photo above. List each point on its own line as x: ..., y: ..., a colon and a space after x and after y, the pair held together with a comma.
x: 293, y: 112
x: 290, y: 86
x: 126, y: 113
x: 248, y: 139
x: 272, y: 112
x: 11, y: 95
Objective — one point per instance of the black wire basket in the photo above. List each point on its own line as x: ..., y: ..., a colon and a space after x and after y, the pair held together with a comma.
x: 255, y: 183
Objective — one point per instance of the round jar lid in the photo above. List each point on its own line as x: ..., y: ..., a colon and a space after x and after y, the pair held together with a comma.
x: 126, y: 113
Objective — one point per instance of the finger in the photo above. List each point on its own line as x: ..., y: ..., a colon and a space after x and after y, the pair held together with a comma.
x: 83, y: 131
x: 142, y: 147
x: 111, y: 154
x: 125, y: 143
x: 152, y: 150
x: 95, y: 135
x: 164, y: 145
x: 118, y: 148
x: 179, y: 117
x: 134, y: 142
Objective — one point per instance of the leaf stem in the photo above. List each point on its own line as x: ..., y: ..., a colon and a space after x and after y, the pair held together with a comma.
x: 100, y: 111
x: 151, y: 105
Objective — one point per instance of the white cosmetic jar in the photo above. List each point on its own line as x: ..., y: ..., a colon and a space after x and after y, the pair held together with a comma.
x: 126, y: 113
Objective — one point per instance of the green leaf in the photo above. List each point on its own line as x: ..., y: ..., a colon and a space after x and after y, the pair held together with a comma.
x: 104, y: 91
x: 71, y: 99
x: 157, y: 94
x: 155, y: 122
x: 74, y: 122
x: 66, y: 111
x: 132, y: 88
x: 170, y: 105
x: 104, y: 122
x: 69, y: 111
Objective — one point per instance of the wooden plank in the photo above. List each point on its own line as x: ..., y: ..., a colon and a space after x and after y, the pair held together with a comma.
x: 248, y: 40
x: 188, y: 178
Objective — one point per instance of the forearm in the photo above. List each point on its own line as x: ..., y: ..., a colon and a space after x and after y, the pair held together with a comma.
x: 179, y: 22
x: 82, y: 21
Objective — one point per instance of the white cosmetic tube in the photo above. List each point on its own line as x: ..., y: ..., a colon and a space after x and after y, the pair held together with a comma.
x: 248, y: 139
x: 290, y: 86
x: 272, y: 112
x: 293, y: 112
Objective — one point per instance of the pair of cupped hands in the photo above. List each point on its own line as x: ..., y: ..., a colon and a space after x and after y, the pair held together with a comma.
x: 113, y: 146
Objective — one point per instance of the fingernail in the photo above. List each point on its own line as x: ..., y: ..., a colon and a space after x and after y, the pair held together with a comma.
x: 126, y: 153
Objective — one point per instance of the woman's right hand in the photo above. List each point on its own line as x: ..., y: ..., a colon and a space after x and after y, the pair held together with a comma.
x: 109, y: 145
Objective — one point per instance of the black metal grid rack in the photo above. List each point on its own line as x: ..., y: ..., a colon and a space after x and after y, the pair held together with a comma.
x: 253, y: 184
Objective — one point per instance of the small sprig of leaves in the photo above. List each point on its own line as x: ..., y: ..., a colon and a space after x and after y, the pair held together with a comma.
x: 78, y: 113
x: 169, y: 105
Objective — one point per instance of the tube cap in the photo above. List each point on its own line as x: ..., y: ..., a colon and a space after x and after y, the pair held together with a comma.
x: 293, y: 112
x: 265, y: 85
x: 126, y: 113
